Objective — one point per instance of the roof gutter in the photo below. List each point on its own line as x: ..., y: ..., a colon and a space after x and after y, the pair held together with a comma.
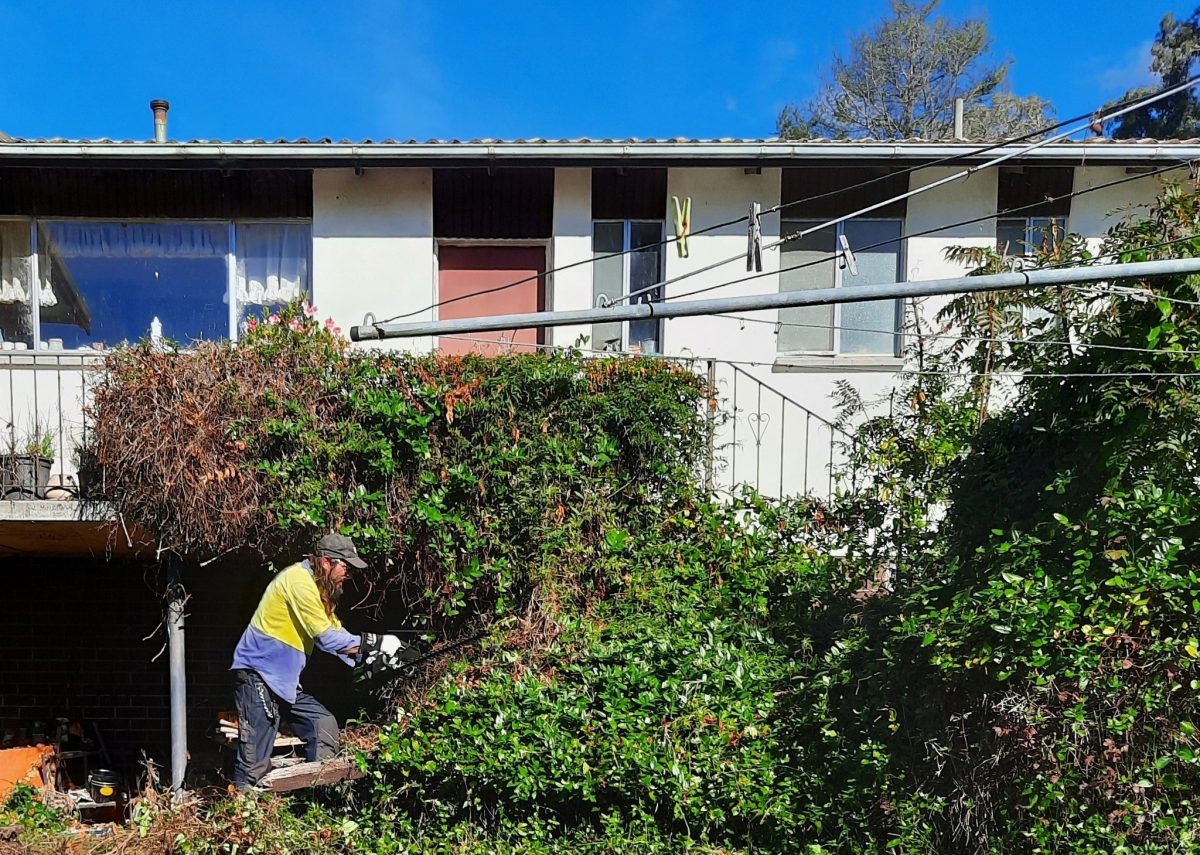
x: 650, y: 152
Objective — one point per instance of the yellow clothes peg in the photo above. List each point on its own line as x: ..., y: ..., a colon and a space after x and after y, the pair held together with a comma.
x: 681, y: 213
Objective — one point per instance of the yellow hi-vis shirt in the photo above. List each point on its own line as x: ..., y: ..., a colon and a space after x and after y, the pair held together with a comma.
x: 289, y: 621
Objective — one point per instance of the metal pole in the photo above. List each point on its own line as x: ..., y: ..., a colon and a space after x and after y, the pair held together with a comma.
x: 784, y: 300
x: 711, y: 421
x: 733, y: 460
x: 807, y: 446
x: 831, y: 464
x: 782, y: 440
x: 758, y: 437
x: 175, y: 600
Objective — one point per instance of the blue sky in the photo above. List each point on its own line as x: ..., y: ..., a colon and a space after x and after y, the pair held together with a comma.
x: 370, y: 68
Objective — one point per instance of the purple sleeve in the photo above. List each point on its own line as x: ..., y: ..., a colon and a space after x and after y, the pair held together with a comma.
x: 334, y: 640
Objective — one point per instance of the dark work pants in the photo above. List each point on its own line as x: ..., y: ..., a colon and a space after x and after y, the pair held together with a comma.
x: 259, y: 710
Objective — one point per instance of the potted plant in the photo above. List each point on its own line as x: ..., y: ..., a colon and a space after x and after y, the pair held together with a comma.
x: 26, y: 467
x: 88, y: 472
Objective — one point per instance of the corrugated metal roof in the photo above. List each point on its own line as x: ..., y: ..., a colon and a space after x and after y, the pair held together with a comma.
x: 325, y: 152
x: 542, y: 141
x: 412, y: 141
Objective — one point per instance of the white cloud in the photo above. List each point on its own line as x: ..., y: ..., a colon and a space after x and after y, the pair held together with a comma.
x: 775, y: 60
x: 1131, y: 70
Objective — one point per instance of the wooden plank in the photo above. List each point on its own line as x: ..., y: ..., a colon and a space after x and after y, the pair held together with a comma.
x: 315, y: 774
x: 230, y: 736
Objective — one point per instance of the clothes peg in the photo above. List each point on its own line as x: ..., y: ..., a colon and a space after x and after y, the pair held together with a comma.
x: 681, y: 213
x: 848, y: 256
x: 754, y: 239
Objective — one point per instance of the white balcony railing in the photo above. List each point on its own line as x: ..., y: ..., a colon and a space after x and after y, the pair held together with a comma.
x: 42, y: 401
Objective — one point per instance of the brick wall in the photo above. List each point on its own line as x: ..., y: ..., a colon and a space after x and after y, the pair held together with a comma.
x: 71, y: 644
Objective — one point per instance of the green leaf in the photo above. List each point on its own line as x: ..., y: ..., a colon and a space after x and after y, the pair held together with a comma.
x: 616, y: 540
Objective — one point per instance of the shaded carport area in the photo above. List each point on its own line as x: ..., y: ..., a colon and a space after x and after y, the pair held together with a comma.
x: 85, y: 647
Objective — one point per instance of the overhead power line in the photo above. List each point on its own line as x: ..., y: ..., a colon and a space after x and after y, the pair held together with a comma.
x: 1119, y: 109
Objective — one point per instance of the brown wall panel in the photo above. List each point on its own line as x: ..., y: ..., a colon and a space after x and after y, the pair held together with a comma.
x: 155, y: 193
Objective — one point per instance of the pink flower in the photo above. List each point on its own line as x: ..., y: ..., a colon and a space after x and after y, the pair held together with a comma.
x: 273, y: 320
x: 329, y: 325
x: 251, y: 324
x: 310, y: 310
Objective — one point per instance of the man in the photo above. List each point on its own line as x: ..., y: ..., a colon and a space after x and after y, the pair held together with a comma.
x: 295, y: 615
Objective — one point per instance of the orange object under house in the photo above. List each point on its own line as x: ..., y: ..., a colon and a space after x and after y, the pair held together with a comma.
x: 31, y: 766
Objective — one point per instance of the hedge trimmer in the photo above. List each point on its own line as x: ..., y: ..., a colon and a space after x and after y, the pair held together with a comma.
x: 385, y: 653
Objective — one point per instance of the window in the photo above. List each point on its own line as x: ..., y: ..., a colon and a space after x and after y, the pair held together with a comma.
x: 108, y: 281
x: 1039, y: 198
x: 16, y: 283
x: 870, y: 328
x: 624, y: 274
x: 272, y: 266
x: 1021, y: 237
x: 100, y: 283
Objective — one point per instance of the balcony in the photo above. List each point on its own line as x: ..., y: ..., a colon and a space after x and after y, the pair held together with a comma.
x: 43, y: 397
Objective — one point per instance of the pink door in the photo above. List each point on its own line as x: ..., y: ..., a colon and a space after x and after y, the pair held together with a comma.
x: 468, y: 271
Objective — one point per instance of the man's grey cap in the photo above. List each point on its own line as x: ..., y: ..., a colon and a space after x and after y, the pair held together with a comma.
x: 341, y: 548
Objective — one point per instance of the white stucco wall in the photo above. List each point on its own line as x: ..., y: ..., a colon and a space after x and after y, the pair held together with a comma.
x: 1095, y: 212
x: 954, y: 202
x: 571, y: 243
x: 718, y: 195
x: 964, y: 199
x: 373, y: 247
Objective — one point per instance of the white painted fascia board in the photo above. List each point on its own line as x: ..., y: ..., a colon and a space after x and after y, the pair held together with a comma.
x: 616, y: 151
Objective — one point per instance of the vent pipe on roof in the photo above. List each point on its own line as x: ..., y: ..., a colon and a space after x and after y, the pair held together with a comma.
x: 160, y: 107
x: 958, y: 118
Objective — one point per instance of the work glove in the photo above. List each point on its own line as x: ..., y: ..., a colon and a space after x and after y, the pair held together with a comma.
x: 378, y: 654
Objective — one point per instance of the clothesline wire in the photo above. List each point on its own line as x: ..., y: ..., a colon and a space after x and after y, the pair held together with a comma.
x: 1114, y: 291
x: 924, y: 232
x: 906, y: 371
x: 946, y: 337
x: 1113, y: 113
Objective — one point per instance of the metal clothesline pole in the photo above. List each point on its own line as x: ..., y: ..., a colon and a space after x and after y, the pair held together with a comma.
x: 783, y: 300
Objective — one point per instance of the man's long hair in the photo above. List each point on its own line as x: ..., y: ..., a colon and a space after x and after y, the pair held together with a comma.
x: 330, y: 591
